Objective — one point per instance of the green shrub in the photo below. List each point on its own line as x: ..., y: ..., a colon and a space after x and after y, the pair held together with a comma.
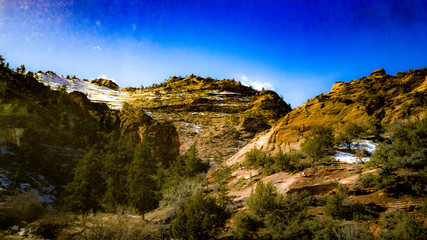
x: 297, y: 202
x: 376, y: 128
x: 255, y: 158
x: 351, y: 132
x: 179, y: 191
x: 399, y: 225
x: 367, y: 180
x: 221, y: 173
x: 411, y: 138
x: 350, y: 232
x: 246, y: 225
x: 334, y: 206
x: 199, y: 218
x: 189, y: 164
x: 287, y: 161
x: 303, y: 227
x: 321, y: 139
x: 264, y: 199
x: 423, y: 209
x: 283, y: 225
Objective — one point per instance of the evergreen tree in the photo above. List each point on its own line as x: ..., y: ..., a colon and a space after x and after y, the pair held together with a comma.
x: 189, y: 164
x: 318, y: 142
x: 264, y: 199
x: 21, y: 69
x: 199, y: 218
x: 87, y: 188
x: 2, y: 61
x: 351, y: 132
x: 119, y: 155
x: 376, y: 128
x: 143, y: 192
x: 246, y: 225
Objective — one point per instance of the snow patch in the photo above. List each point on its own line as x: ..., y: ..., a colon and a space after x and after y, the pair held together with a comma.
x: 114, y: 99
x: 366, y: 145
x: 4, y: 151
x: 44, y: 197
x: 4, y: 179
x: 349, y: 158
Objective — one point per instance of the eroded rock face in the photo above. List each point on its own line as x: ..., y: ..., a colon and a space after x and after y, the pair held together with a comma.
x: 81, y: 99
x: 162, y: 136
x: 378, y: 73
x: 99, y: 111
x: 164, y: 141
x: 253, y: 124
x: 390, y: 98
x: 106, y: 83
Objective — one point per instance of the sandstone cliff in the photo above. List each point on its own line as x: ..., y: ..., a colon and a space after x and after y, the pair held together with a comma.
x: 389, y: 98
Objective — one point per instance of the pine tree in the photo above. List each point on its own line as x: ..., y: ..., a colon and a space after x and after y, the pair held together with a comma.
x: 189, y: 164
x: 116, y: 189
x: 85, y: 191
x: 21, y: 69
x: 2, y: 61
x: 119, y: 155
x: 264, y: 199
x: 318, y: 142
x: 143, y: 192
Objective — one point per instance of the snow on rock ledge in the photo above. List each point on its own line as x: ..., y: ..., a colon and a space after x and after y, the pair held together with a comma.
x: 366, y: 145
x: 114, y: 99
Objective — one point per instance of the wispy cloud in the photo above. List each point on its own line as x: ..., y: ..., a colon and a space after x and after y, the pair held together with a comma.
x: 134, y: 26
x: 97, y: 48
x: 258, y: 85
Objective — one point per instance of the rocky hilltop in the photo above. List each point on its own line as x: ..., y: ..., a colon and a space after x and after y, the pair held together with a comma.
x: 389, y: 98
x: 220, y: 116
x: 106, y: 83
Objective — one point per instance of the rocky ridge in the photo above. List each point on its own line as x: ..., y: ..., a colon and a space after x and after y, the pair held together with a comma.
x: 390, y: 98
x: 220, y: 116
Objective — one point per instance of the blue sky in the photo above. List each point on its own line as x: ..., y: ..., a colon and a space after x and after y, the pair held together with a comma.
x: 297, y: 48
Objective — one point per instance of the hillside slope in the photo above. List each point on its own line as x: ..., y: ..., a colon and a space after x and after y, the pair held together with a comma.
x: 220, y: 116
x: 389, y: 98
x: 44, y: 133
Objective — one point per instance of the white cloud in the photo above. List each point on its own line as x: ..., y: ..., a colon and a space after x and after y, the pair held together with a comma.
x: 134, y: 26
x: 258, y: 85
x: 97, y: 48
x: 244, y: 79
x: 105, y: 77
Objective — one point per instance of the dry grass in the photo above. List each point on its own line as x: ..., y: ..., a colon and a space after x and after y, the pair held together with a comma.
x: 111, y: 226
